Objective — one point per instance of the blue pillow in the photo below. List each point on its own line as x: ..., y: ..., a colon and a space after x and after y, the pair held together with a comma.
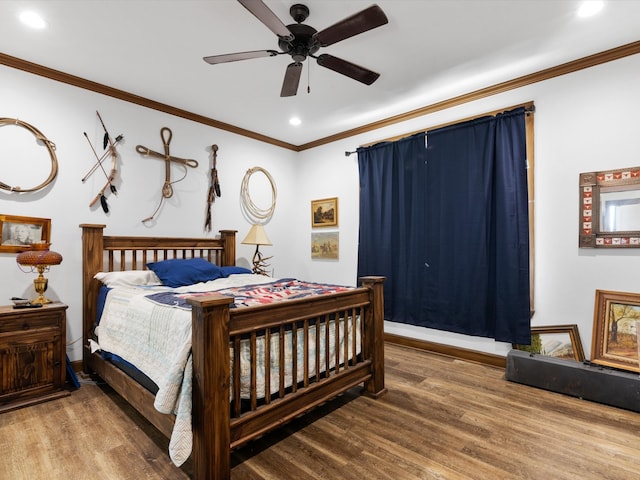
x: 178, y: 272
x: 226, y: 271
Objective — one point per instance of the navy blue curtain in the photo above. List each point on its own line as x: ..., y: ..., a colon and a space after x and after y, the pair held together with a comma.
x: 447, y: 224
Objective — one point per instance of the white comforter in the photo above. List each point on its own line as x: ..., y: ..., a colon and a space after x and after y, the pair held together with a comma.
x: 156, y: 338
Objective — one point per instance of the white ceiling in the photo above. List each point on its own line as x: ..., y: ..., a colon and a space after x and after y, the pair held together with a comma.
x: 430, y: 50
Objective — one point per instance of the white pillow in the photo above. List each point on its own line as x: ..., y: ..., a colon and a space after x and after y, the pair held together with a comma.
x: 128, y: 278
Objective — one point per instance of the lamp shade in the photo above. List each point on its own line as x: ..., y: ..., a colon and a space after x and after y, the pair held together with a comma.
x: 39, y: 258
x: 34, y: 258
x: 256, y: 236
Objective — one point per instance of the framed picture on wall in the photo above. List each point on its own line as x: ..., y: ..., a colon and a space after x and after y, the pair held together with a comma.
x: 324, y: 212
x: 325, y: 245
x: 616, y: 324
x: 559, y: 341
x: 17, y: 233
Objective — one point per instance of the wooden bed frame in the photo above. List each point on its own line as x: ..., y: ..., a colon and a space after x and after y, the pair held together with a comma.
x: 218, y: 424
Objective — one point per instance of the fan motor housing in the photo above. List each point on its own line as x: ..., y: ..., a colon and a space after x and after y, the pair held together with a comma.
x: 303, y: 43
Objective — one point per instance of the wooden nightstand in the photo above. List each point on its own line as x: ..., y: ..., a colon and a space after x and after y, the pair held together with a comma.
x: 32, y: 355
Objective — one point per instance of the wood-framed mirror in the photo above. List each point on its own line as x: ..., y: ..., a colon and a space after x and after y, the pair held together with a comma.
x: 610, y: 209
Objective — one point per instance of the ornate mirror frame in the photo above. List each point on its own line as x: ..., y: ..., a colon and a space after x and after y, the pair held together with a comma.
x: 625, y: 184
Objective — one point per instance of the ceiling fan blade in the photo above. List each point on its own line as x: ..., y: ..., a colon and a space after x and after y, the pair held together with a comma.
x: 363, y: 21
x: 291, y: 80
x: 234, y: 57
x: 349, y: 69
x: 268, y: 18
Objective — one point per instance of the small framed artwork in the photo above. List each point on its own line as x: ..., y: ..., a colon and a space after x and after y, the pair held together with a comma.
x: 19, y: 233
x: 616, y: 325
x: 324, y: 212
x: 559, y: 341
x: 325, y: 245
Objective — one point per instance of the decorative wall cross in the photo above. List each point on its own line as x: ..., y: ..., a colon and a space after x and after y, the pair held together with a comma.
x: 167, y: 188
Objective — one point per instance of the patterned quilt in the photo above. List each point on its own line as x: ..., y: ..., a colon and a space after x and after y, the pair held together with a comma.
x: 153, y: 332
x: 248, y: 295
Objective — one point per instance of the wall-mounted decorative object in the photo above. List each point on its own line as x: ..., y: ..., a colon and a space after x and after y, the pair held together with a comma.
x: 610, y: 209
x: 214, y: 188
x: 51, y: 147
x: 107, y: 141
x: 255, y: 213
x: 615, y: 330
x: 167, y: 188
x: 325, y: 245
x: 559, y: 341
x: 22, y: 233
x: 324, y: 212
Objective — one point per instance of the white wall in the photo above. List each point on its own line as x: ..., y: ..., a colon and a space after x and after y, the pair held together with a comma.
x: 62, y: 113
x: 583, y: 122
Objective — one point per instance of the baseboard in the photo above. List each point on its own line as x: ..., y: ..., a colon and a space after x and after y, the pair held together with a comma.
x: 449, y: 350
x: 77, y: 366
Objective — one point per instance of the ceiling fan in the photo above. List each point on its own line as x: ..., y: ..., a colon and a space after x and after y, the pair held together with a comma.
x: 302, y: 41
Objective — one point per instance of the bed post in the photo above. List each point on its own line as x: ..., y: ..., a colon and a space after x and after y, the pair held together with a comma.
x: 211, y: 413
x: 373, y: 344
x: 228, y: 238
x: 92, y: 260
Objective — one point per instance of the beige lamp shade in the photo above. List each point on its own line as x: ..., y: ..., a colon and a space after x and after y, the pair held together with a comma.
x: 256, y: 236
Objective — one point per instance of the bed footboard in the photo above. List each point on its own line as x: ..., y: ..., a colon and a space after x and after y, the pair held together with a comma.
x: 352, y: 320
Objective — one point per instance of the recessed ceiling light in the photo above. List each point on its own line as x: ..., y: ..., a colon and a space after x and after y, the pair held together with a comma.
x: 590, y: 8
x: 32, y: 19
x: 295, y: 121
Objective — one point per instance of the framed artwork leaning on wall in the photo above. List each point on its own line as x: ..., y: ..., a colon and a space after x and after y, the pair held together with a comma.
x: 558, y: 341
x: 616, y: 324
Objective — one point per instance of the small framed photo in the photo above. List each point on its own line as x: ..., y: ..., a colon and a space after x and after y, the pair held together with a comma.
x: 616, y: 325
x: 17, y: 233
x: 324, y: 212
x: 559, y: 341
x: 325, y: 245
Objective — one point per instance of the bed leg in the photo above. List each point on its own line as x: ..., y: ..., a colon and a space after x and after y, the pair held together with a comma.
x: 211, y: 414
x: 373, y: 344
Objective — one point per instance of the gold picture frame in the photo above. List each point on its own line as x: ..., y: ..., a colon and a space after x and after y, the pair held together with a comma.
x: 558, y: 341
x: 616, y: 324
x: 324, y: 212
x: 18, y: 233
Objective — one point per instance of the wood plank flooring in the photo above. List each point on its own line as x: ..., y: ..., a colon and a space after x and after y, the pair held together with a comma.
x: 442, y: 418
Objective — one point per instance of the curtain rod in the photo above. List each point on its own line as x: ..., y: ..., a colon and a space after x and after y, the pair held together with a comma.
x: 529, y: 108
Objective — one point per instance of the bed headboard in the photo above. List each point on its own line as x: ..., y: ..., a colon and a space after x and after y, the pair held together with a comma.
x: 101, y: 253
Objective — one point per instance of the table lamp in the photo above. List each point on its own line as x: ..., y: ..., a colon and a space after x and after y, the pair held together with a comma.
x: 257, y: 237
x: 39, y: 258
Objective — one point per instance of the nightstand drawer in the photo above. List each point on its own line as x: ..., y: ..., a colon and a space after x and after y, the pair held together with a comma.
x: 30, y: 322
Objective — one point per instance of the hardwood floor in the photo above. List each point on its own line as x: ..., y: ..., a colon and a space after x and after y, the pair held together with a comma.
x: 441, y: 419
